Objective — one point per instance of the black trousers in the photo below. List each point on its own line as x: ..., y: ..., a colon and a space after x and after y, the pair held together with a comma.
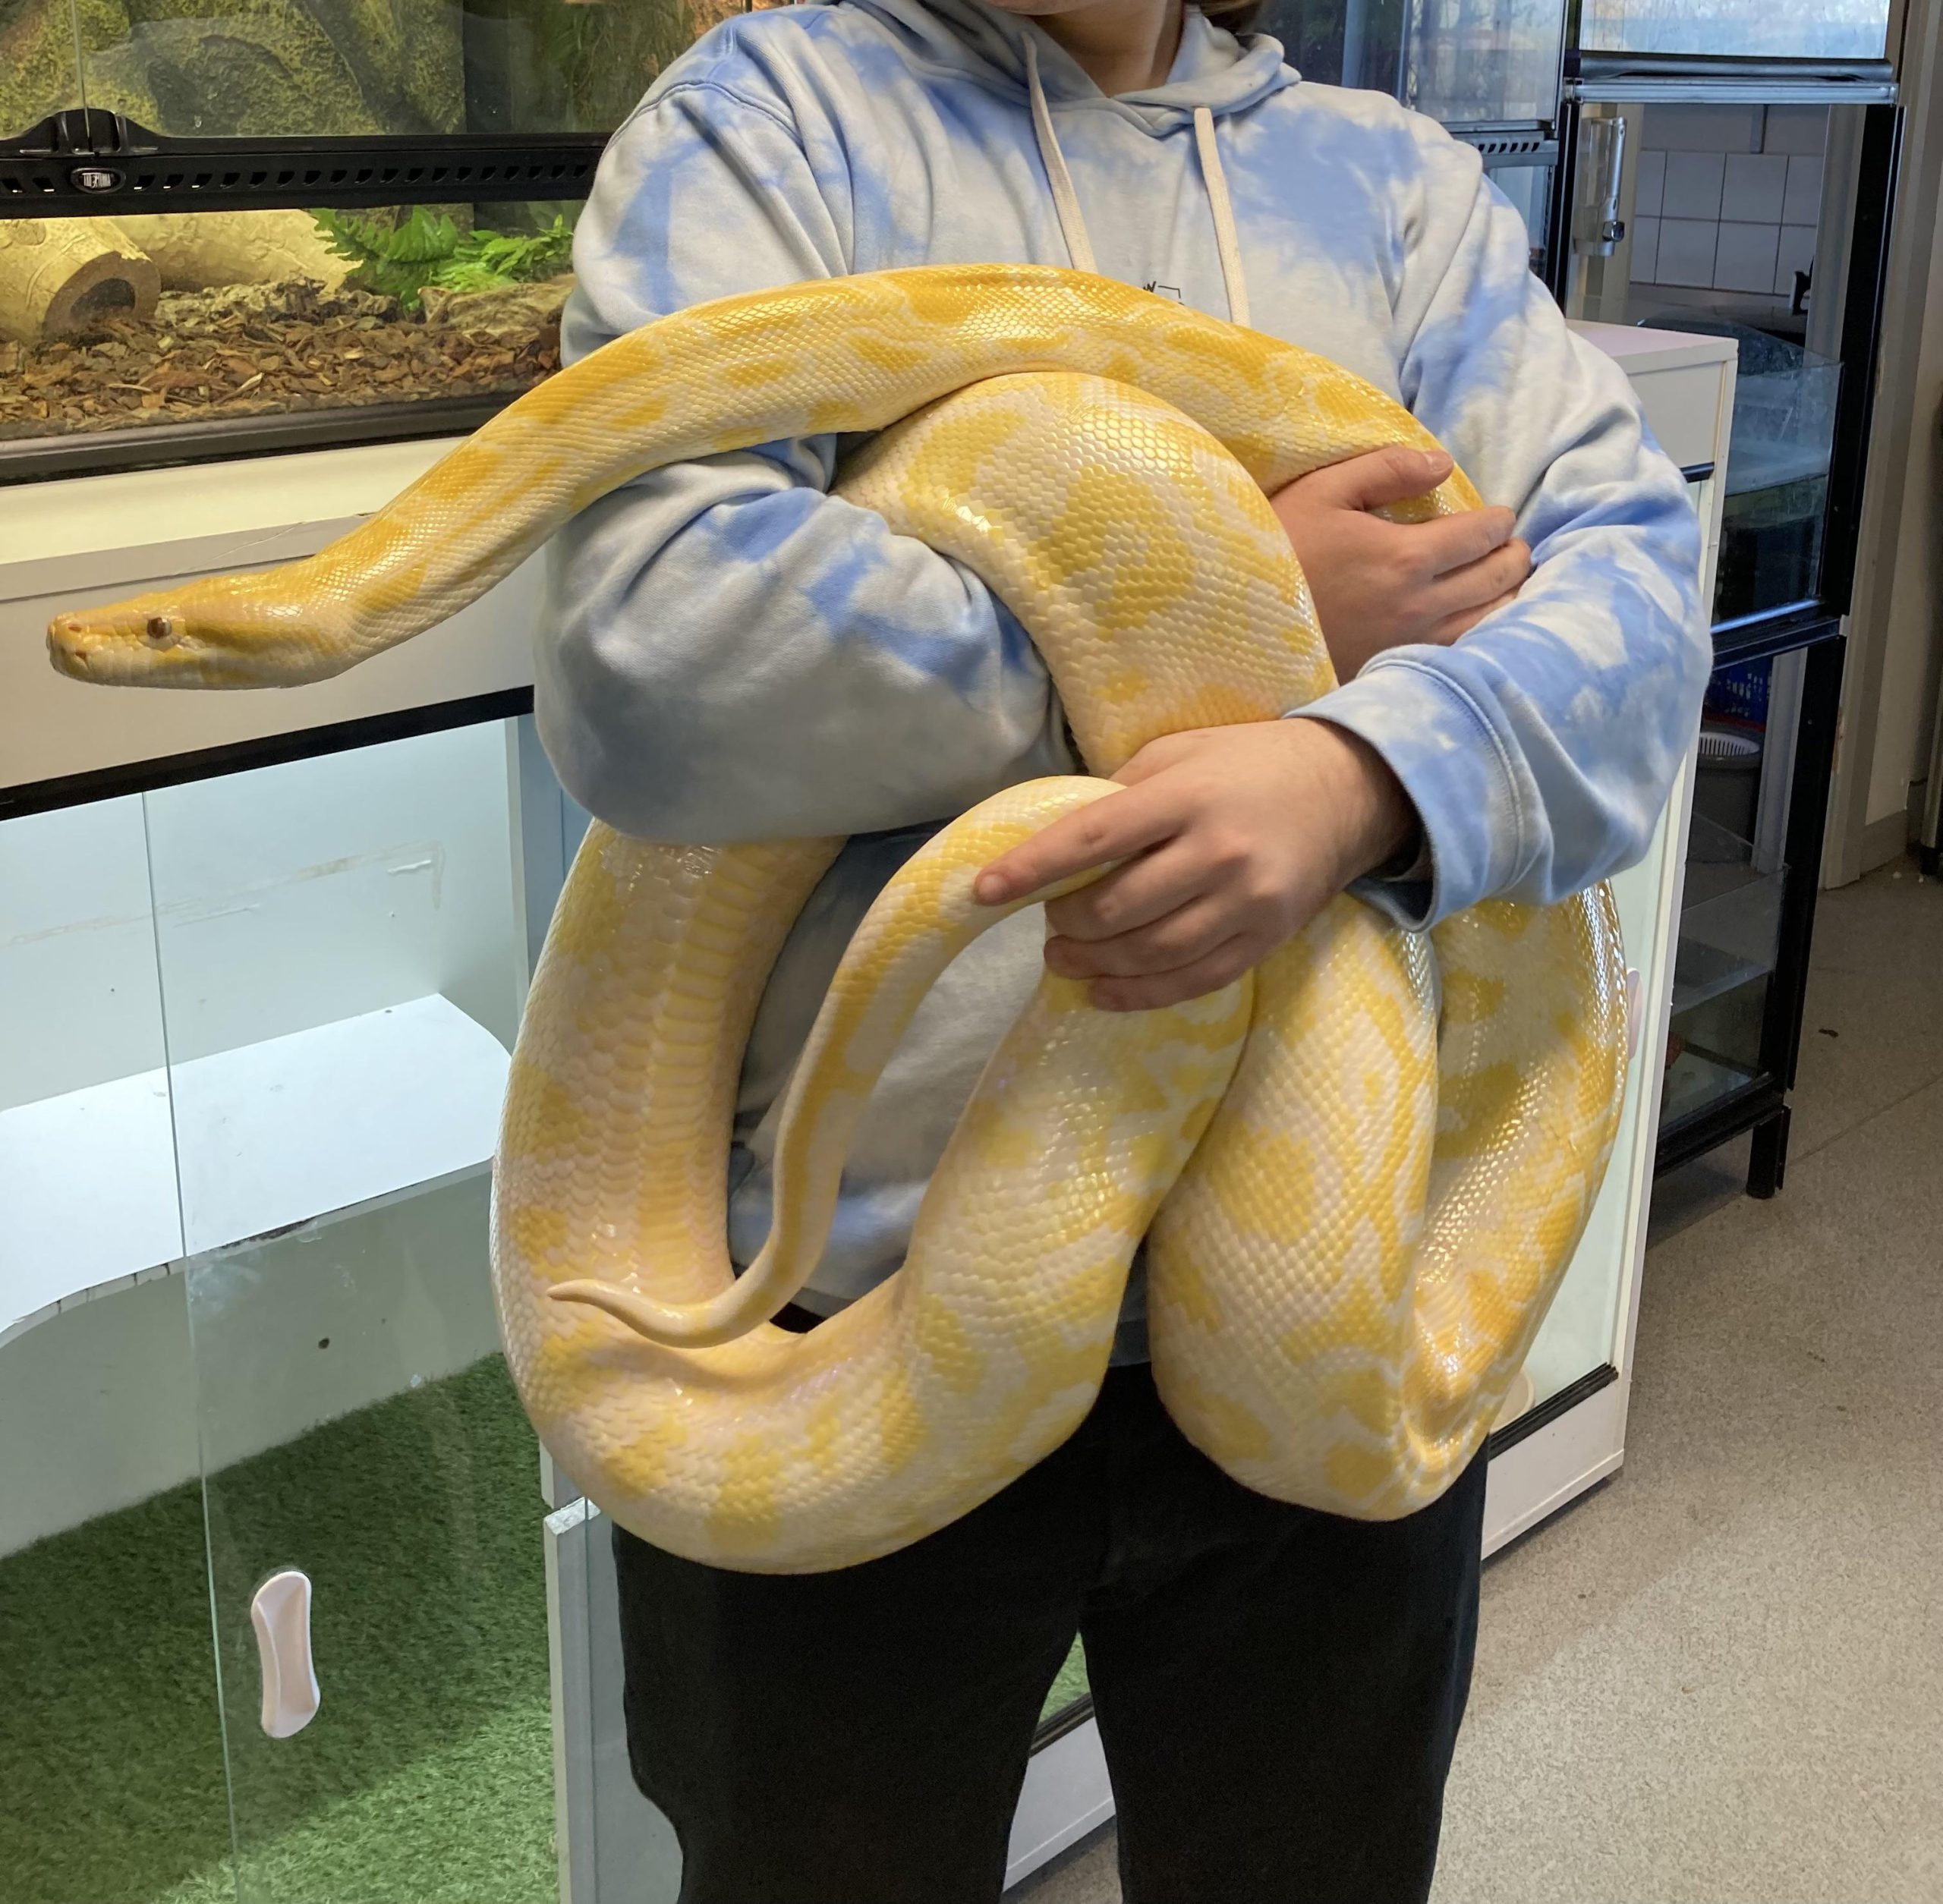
x: 1278, y: 1691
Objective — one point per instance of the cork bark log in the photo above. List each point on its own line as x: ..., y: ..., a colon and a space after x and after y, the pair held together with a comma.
x: 198, y: 251
x: 62, y: 275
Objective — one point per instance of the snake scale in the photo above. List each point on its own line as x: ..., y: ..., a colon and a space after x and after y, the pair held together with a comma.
x: 1361, y: 1170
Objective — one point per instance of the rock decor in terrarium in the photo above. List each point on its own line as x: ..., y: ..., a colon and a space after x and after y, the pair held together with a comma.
x: 125, y: 321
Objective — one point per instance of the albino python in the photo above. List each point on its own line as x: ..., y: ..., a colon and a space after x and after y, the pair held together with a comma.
x: 1361, y: 1170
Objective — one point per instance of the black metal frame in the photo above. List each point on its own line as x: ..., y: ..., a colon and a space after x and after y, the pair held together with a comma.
x: 85, y: 162
x: 39, y: 459
x: 267, y: 749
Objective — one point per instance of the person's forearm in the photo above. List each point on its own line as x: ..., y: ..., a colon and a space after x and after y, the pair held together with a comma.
x: 1539, y: 750
x: 730, y: 654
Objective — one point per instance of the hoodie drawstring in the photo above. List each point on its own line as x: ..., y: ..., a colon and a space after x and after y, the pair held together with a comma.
x: 1225, y: 240
x: 1065, y: 200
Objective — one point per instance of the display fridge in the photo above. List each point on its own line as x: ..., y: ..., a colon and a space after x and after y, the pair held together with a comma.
x: 1730, y: 170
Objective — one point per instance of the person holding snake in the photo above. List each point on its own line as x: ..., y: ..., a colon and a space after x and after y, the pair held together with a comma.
x: 854, y: 675
x: 734, y: 652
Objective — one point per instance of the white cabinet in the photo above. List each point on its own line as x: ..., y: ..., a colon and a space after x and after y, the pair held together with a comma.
x: 1581, y: 1366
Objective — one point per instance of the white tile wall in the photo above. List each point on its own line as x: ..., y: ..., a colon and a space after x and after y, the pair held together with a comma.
x: 1687, y: 250
x: 1646, y: 249
x: 1650, y: 180
x: 1727, y: 198
x: 1693, y: 184
x: 1796, y: 128
x: 1755, y: 183
x: 1700, y: 128
x: 1744, y: 258
x: 1802, y: 202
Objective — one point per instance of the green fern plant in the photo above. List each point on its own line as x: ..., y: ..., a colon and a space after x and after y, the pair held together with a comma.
x: 427, y: 248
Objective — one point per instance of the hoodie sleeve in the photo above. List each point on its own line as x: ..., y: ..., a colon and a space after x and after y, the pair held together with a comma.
x: 729, y: 652
x: 1540, y: 748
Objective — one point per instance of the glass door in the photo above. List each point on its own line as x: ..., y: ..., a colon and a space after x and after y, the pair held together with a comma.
x: 1762, y: 222
x: 111, y: 1755
x: 341, y: 961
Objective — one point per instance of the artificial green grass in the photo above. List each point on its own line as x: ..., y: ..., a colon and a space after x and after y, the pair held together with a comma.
x: 426, y: 1777
x: 1069, y: 1685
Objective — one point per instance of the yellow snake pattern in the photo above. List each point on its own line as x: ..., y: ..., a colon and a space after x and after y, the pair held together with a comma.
x: 1361, y: 1170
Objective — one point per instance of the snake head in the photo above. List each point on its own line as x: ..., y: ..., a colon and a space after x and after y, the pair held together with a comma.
x: 225, y: 632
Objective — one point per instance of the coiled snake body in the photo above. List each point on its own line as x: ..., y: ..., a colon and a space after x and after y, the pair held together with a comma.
x: 1359, y: 1197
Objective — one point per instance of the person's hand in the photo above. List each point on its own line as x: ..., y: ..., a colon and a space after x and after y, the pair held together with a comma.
x: 1233, y: 838
x: 1377, y: 584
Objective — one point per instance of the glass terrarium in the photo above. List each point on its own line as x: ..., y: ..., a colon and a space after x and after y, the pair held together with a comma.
x: 213, y: 318
x: 1466, y: 62
x: 268, y: 223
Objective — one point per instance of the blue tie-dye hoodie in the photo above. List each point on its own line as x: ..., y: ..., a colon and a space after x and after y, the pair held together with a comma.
x: 731, y: 654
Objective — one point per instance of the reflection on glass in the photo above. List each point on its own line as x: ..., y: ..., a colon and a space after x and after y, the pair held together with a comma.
x: 1482, y: 60
x: 40, y: 72
x: 282, y: 68
x: 1777, y: 479
x: 204, y: 317
x: 1720, y: 211
x: 1731, y: 914
x: 1581, y: 1330
x: 1739, y: 29
x: 1779, y: 448
x: 1462, y: 61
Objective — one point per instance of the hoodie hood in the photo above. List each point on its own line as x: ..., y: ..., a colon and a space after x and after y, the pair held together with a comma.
x: 1212, y: 69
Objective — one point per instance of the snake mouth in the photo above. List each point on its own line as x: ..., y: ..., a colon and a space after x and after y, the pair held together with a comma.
x: 71, y: 646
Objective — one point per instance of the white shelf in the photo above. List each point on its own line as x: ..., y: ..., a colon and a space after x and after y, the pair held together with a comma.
x: 263, y: 1136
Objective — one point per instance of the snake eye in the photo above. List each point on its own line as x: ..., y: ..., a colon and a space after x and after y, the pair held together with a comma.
x: 161, y: 631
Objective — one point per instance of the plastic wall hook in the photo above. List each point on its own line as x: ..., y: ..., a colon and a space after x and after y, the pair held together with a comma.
x: 281, y: 1613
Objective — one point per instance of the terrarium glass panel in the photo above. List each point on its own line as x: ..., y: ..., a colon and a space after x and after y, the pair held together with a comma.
x: 1739, y: 29
x: 1466, y: 62
x: 341, y: 68
x: 217, y: 317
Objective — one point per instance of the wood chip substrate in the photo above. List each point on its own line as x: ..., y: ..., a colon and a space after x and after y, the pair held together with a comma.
x: 247, y: 349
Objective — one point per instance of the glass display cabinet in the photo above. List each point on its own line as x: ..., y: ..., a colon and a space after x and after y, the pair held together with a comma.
x: 1749, y: 201
x: 1489, y: 70
x: 228, y: 230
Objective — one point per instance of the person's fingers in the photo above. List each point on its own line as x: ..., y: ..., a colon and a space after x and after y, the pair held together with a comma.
x: 1450, y: 542
x: 1167, y: 750
x: 1453, y: 627
x: 1222, y: 966
x: 1189, y: 933
x: 1502, y: 572
x: 1394, y: 473
x: 1104, y: 830
x: 1160, y: 881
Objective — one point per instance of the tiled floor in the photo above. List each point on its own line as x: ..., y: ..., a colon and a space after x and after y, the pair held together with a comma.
x: 1719, y: 1680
